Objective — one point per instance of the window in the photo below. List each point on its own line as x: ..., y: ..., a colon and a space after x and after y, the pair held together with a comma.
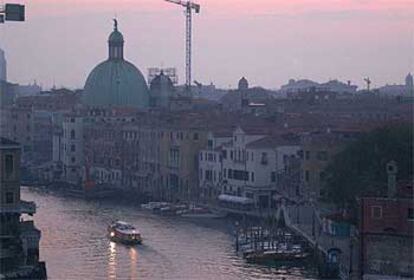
x: 224, y: 173
x: 230, y: 173
x: 9, y: 165
x: 307, y: 175
x: 201, y: 156
x: 264, y: 159
x: 322, y: 155
x: 273, y: 176
x: 410, y: 214
x: 210, y: 157
x: 210, y: 143
x: 322, y: 176
x: 376, y: 212
x: 73, y: 160
x: 72, y: 148
x: 224, y: 153
x: 231, y: 154
x: 9, y: 197
x: 72, y: 134
x: 307, y: 155
x: 240, y: 175
x: 195, y: 136
x: 174, y: 157
x: 252, y: 176
x: 209, y: 175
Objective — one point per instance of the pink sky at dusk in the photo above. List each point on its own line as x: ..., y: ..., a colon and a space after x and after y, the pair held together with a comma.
x: 268, y: 41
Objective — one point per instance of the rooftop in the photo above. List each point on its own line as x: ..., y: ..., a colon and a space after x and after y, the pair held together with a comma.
x: 274, y: 142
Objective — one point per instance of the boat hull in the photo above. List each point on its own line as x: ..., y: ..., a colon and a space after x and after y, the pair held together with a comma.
x: 125, y: 241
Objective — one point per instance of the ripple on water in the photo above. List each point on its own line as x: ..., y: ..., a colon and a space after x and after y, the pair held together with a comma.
x: 75, y: 246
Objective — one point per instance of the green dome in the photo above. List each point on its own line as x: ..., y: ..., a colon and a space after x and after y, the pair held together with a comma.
x: 116, y: 83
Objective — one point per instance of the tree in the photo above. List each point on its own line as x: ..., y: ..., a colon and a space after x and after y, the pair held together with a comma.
x: 360, y: 168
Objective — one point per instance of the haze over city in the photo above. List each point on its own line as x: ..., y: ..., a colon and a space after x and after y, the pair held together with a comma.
x: 207, y: 139
x: 268, y: 41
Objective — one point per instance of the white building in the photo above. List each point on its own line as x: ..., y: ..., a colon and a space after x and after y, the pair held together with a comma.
x: 210, y: 164
x: 246, y: 166
x: 72, y: 149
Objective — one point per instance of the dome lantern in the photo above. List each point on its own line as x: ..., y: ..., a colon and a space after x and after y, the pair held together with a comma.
x: 116, y: 43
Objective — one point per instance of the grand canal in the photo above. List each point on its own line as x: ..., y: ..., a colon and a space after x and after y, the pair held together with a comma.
x: 74, y: 244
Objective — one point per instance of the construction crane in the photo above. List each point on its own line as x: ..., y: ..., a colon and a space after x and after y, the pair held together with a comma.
x: 368, y: 81
x: 189, y: 7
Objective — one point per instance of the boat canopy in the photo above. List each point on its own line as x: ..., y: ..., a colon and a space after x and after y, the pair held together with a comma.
x: 235, y: 199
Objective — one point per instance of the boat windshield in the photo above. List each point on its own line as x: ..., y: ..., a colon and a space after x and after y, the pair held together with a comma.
x: 124, y: 226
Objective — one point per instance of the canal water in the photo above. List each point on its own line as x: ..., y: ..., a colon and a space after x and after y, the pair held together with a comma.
x: 75, y: 246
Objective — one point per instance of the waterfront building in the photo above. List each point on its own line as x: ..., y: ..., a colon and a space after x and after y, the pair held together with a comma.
x: 19, y: 238
x: 72, y: 148
x: 386, y: 231
x: 248, y: 164
x: 116, y: 82
x: 211, y: 164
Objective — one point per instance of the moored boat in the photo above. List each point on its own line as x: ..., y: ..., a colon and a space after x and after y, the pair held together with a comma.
x: 198, y: 212
x: 124, y: 232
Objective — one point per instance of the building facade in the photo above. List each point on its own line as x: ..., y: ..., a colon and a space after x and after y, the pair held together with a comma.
x: 19, y: 238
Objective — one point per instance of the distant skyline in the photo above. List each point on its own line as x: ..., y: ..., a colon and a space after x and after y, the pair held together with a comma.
x: 267, y: 41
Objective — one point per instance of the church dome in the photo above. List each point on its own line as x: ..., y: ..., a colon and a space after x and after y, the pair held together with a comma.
x: 116, y: 82
x: 161, y: 89
x: 161, y: 82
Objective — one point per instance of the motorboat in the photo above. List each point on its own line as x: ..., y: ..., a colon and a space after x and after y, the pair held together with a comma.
x: 124, y: 232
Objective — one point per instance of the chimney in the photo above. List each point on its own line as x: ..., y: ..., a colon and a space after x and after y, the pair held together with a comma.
x: 392, y: 172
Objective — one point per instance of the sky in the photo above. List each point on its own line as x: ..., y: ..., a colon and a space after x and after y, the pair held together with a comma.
x: 267, y: 41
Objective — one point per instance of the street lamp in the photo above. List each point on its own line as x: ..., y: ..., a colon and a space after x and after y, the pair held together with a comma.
x: 12, y: 12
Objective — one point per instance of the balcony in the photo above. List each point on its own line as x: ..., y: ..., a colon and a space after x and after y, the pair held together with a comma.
x: 24, y: 207
x: 27, y: 207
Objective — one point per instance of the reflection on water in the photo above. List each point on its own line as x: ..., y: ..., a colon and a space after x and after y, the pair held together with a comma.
x: 133, y: 255
x: 112, y: 261
x: 75, y: 245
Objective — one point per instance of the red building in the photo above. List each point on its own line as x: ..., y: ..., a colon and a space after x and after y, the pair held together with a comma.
x: 386, y: 231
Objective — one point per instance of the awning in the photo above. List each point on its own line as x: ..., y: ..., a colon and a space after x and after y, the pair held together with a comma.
x: 235, y: 199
